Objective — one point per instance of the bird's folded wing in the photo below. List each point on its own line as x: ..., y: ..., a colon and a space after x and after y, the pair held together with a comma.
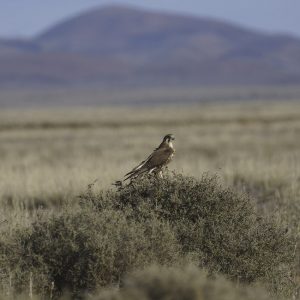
x: 158, y: 158
x: 140, y: 165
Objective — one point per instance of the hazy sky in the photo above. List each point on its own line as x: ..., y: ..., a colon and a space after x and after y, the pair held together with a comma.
x: 29, y: 17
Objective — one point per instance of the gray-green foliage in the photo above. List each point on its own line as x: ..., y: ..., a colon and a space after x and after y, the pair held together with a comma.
x: 150, y: 221
x: 214, y: 222
x: 82, y: 250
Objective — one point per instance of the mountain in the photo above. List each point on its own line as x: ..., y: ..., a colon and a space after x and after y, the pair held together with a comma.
x: 118, y: 45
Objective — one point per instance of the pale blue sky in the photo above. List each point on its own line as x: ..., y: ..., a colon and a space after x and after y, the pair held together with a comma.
x: 28, y: 17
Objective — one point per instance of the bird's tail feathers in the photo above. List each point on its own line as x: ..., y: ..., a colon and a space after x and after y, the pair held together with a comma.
x: 136, y: 169
x: 135, y: 173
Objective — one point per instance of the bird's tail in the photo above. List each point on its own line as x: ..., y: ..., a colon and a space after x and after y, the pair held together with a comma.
x: 119, y: 184
x: 135, y: 173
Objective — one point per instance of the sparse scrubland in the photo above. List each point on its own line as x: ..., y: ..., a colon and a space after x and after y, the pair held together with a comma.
x: 225, y: 225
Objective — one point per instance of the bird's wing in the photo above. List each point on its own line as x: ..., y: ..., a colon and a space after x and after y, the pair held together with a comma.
x: 156, y: 153
x: 142, y: 164
x: 158, y: 158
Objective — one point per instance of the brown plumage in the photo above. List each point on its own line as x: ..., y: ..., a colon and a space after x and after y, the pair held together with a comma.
x: 159, y: 158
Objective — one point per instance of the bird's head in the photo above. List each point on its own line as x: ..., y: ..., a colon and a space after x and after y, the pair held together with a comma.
x: 168, y: 138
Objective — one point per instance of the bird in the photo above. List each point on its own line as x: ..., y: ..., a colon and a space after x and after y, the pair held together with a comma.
x: 159, y: 158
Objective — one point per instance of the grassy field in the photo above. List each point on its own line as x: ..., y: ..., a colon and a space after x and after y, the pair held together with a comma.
x: 50, y: 156
x: 51, y: 152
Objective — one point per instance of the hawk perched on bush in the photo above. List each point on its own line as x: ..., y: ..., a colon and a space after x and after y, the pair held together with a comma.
x: 159, y: 158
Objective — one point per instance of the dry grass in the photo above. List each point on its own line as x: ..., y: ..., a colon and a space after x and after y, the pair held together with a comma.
x: 58, y: 152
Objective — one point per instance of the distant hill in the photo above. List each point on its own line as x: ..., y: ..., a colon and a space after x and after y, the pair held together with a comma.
x: 127, y: 46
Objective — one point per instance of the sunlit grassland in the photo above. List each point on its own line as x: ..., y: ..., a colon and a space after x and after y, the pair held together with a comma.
x: 47, y: 155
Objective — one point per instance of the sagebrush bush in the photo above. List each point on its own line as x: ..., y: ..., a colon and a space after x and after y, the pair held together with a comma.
x: 82, y: 250
x: 150, y: 221
x: 180, y: 284
x: 218, y: 224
